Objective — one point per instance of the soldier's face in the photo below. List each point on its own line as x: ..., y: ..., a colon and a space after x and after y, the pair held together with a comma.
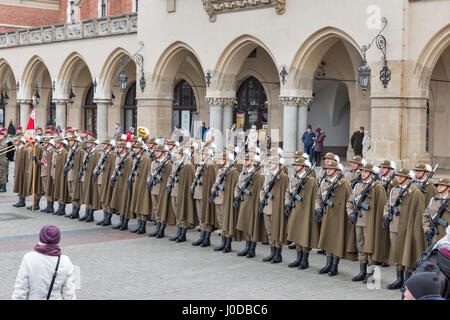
x: 366, y: 174
x: 222, y: 162
x: 203, y: 156
x: 327, y: 161
x: 354, y: 166
x: 105, y: 146
x: 384, y: 171
x: 58, y: 145
x: 331, y: 172
x: 72, y: 143
x: 403, y: 180
x: 441, y: 188
x: 420, y: 174
x: 158, y: 154
x: 273, y: 166
x: 137, y: 150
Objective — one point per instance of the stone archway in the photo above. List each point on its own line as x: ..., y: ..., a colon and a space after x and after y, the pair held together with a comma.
x: 8, y: 101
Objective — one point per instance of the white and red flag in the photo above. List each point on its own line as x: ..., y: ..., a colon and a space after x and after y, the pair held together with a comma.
x: 29, y: 132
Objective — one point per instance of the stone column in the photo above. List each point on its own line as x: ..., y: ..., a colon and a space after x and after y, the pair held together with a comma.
x: 304, y: 104
x: 102, y: 118
x: 290, y: 125
x: 227, y: 118
x: 61, y: 112
x: 24, y: 112
x: 216, y: 119
x: 156, y: 115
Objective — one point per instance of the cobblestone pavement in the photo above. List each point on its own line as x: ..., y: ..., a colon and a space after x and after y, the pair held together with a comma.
x: 121, y: 265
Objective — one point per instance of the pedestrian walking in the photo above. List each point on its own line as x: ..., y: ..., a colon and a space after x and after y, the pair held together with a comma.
x: 45, y: 273
x: 357, y: 141
x: 318, y: 145
x: 308, y: 141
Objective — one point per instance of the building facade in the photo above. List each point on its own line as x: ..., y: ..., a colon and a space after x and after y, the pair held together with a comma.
x: 275, y: 64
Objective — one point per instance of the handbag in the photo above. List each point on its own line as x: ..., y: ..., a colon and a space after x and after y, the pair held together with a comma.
x: 53, y: 279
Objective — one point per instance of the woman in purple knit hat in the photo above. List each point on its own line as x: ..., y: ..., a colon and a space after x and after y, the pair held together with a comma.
x: 36, y: 273
x: 318, y: 145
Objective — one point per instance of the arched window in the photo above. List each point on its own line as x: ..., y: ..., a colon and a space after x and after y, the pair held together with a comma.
x: 51, y: 114
x: 130, y: 109
x: 184, y: 105
x: 90, y: 112
x: 252, y: 105
x: 2, y: 110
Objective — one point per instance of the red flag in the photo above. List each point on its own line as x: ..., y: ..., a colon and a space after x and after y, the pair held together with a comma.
x: 29, y: 132
x: 44, y: 161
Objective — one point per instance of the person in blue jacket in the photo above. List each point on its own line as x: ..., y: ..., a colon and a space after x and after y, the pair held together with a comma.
x: 308, y: 142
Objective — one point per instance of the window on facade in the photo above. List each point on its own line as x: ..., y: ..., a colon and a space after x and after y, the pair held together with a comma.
x: 2, y: 114
x: 252, y: 105
x: 90, y: 112
x: 72, y: 11
x: 130, y: 109
x: 51, y: 114
x: 102, y: 8
x: 184, y: 106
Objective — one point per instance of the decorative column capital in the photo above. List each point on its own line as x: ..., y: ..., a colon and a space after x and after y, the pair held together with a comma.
x: 24, y: 101
x: 60, y: 101
x: 221, y: 101
x: 297, y: 101
x: 102, y: 101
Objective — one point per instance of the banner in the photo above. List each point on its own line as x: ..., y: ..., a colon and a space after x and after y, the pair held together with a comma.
x: 240, y: 120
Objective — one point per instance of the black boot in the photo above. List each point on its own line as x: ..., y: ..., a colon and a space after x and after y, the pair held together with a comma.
x: 292, y: 245
x: 161, y: 231
x: 222, y: 245
x: 305, y: 263
x: 207, y: 241
x: 50, y: 208
x: 245, y: 250
x: 321, y: 252
x: 36, y: 204
x: 270, y: 256
x: 20, y: 204
x: 90, y: 217
x: 154, y: 233
x: 103, y: 220
x: 120, y: 223
x: 47, y: 208
x: 368, y: 275
x: 297, y: 261
x: 107, y: 222
x: 200, y: 240
x: 327, y: 266
x: 277, y: 258
x: 124, y: 226
x: 182, y: 237
x: 176, y: 235
x: 142, y: 230
x: 227, y: 245
x: 334, y: 267
x: 362, y: 274
x: 63, y: 210
x: 74, y: 214
x: 86, y: 214
x: 384, y: 265
x: 407, y: 275
x: 3, y: 187
x: 397, y: 284
x: 60, y: 206
x: 138, y: 227
x: 251, y: 253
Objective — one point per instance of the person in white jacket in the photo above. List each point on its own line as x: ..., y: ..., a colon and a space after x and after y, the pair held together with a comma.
x: 38, y: 267
x: 366, y: 143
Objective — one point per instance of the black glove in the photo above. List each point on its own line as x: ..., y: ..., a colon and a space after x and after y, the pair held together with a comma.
x: 318, y: 215
x: 386, y: 221
x: 429, y: 234
x: 149, y: 185
x: 352, y: 219
x: 94, y: 175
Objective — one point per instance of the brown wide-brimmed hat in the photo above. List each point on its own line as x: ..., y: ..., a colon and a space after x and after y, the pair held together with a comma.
x: 333, y: 165
x: 357, y: 159
x: 405, y: 173
x: 388, y: 164
x: 422, y: 166
x: 443, y: 182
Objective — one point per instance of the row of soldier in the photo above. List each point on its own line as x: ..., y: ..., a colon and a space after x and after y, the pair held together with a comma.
x: 371, y: 215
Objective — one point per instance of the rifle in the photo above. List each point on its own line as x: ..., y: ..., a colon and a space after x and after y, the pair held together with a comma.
x: 101, y: 165
x: 433, y: 230
x: 361, y: 204
x: 386, y: 185
x: 174, y: 178
x: 118, y: 172
x: 83, y: 167
x: 393, y: 207
x: 295, y: 195
x: 219, y: 185
x: 267, y: 192
x: 355, y: 181
x: 134, y: 172
x: 197, y: 181
x: 157, y: 176
x: 240, y: 196
x: 330, y: 193
x: 69, y: 164
x: 429, y: 176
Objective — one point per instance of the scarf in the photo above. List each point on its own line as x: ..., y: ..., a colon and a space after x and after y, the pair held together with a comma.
x: 48, y: 249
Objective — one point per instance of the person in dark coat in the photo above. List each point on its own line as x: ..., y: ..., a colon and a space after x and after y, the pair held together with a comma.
x: 308, y: 141
x: 356, y: 141
x: 423, y: 286
x: 318, y: 145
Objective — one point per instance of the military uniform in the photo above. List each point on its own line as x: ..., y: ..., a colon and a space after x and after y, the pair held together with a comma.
x: 429, y: 190
x: 4, y: 164
x: 388, y: 181
x: 46, y: 176
x: 432, y: 210
x: 76, y: 155
x: 302, y: 228
x: 60, y: 186
x: 406, y: 235
x: 20, y: 185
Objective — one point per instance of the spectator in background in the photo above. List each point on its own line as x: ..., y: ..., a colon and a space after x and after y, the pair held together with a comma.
x: 308, y: 141
x: 365, y: 143
x: 203, y: 130
x: 423, y: 286
x: 38, y: 268
x: 117, y: 129
x: 318, y: 145
x: 356, y: 141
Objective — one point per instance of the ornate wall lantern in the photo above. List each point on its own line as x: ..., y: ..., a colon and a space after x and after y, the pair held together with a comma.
x: 123, y: 79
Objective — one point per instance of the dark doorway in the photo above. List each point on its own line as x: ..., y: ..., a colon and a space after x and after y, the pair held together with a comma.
x: 90, y: 112
x: 184, y: 106
x: 252, y: 106
x: 130, y: 109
